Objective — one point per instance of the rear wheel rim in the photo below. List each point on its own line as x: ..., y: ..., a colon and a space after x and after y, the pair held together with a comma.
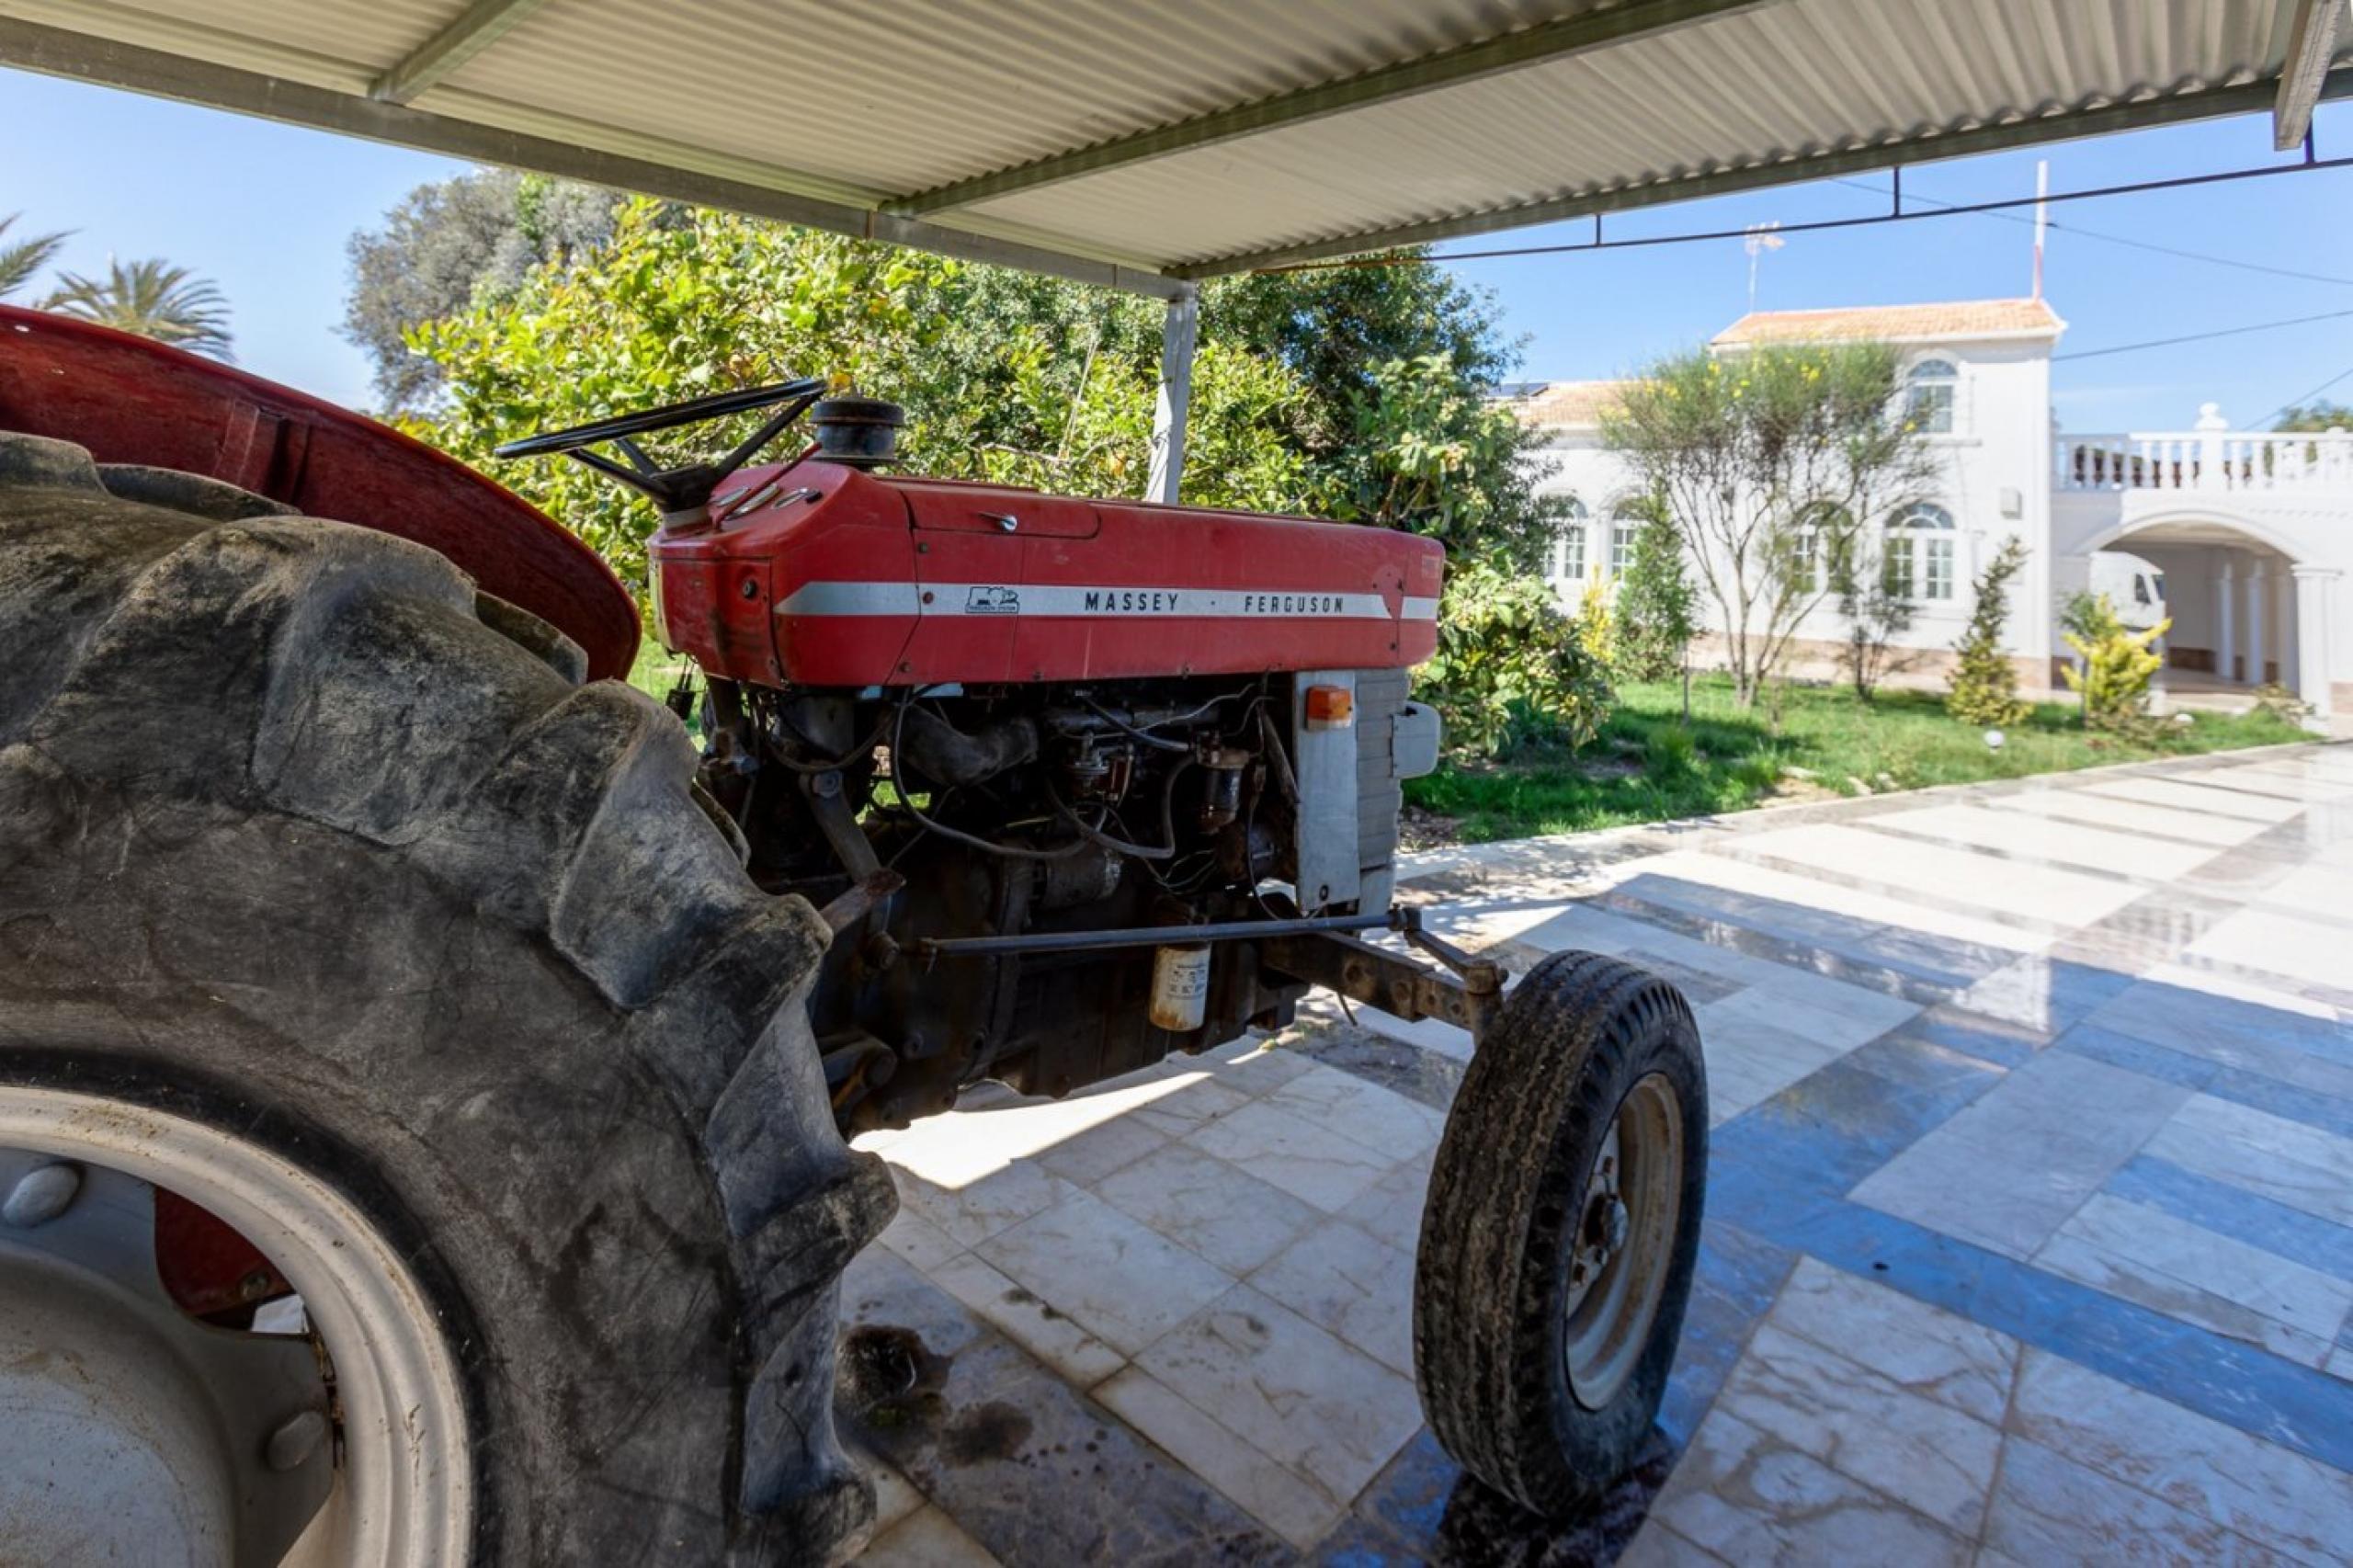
x: 1622, y: 1242
x: 401, y: 1492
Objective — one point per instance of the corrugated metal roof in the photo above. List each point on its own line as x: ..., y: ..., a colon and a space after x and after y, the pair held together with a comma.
x: 1183, y: 138
x: 1896, y: 324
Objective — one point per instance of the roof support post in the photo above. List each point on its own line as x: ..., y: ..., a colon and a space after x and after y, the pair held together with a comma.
x: 2311, y: 40
x: 1179, y: 330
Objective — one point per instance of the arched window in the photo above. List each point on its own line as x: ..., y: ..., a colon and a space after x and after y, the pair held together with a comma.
x: 1920, y: 553
x: 1568, y: 549
x: 1625, y: 523
x: 1928, y: 391
x: 1824, y: 532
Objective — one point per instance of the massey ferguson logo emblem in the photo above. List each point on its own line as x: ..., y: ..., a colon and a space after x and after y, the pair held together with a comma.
x: 993, y: 601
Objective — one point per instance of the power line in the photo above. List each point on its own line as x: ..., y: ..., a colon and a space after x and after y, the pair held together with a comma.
x: 2309, y: 397
x: 2083, y: 232
x: 2179, y: 182
x: 2202, y: 337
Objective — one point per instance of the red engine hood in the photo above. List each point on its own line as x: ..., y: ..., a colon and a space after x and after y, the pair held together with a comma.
x: 838, y: 578
x: 130, y: 400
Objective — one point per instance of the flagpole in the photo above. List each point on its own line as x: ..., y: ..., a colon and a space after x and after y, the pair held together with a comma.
x: 2041, y: 217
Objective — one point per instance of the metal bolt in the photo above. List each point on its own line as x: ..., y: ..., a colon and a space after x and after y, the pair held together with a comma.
x: 296, y: 1439
x: 40, y: 1196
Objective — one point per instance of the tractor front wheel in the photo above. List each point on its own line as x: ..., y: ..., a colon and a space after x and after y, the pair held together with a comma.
x: 332, y: 904
x: 1562, y: 1231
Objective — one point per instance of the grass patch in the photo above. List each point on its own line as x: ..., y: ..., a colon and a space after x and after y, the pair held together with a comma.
x: 1645, y: 765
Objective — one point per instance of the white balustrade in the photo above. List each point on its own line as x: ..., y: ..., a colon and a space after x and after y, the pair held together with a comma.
x: 2204, y: 460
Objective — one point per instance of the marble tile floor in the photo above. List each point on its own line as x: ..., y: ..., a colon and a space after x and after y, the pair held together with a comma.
x: 2029, y: 1234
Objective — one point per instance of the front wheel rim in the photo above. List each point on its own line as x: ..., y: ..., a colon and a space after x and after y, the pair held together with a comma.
x: 1621, y: 1242
x: 402, y: 1491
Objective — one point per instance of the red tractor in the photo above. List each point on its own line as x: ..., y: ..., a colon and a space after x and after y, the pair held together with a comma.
x: 377, y: 970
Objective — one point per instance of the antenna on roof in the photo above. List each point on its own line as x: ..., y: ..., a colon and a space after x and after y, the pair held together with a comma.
x: 2041, y: 217
x: 1760, y: 238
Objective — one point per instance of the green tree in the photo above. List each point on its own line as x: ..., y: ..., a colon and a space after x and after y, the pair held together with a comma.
x: 1984, y: 689
x: 2315, y: 417
x: 1657, y: 606
x: 1769, y: 462
x: 449, y: 243
x: 1510, y: 667
x: 1876, y: 603
x: 2117, y: 666
x: 153, y: 299
x: 20, y: 259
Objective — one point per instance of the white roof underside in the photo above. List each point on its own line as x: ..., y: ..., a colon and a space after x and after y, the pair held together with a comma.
x: 846, y: 114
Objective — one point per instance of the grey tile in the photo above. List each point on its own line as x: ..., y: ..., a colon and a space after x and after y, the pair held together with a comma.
x: 1751, y: 1498
x: 1304, y: 1159
x: 1924, y: 1454
x: 2049, y: 1509
x: 1114, y: 1276
x: 1343, y: 1280
x: 1206, y: 1206
x: 1926, y: 1351
x: 2007, y: 1170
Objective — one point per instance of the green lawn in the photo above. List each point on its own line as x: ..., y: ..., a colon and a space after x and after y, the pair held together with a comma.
x: 1646, y: 767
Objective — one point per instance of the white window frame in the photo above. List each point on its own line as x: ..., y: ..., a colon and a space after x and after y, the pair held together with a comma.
x: 1928, y: 375
x: 1924, y: 554
x: 1571, y: 544
x: 1625, y: 526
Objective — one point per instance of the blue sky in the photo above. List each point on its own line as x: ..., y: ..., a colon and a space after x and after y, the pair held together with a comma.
x: 265, y: 209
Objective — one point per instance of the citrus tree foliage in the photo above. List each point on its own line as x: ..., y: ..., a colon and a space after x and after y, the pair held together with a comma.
x: 1766, y: 462
x: 1510, y: 667
x: 1984, y: 689
x: 2317, y: 416
x: 2118, y: 665
x: 1657, y: 606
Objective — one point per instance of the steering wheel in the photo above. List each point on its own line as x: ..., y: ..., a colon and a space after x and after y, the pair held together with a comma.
x: 673, y: 489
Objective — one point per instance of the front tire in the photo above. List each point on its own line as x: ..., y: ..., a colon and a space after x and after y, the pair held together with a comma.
x: 1562, y: 1231
x: 304, y: 845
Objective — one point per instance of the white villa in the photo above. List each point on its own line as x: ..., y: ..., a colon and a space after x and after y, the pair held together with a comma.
x: 2244, y: 538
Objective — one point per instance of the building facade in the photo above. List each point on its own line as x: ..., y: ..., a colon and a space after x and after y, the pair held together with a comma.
x: 2244, y: 540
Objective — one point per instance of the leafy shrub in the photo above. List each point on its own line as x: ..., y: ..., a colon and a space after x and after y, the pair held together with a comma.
x: 1657, y: 606
x: 1510, y: 668
x: 2117, y: 668
x: 1984, y: 689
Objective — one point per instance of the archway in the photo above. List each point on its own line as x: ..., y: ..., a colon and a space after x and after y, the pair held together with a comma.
x: 2231, y: 594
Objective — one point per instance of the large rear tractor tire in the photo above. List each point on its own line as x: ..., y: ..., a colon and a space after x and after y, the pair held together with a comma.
x: 1562, y: 1229
x: 332, y: 901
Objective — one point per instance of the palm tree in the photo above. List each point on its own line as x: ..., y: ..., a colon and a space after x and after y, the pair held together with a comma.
x: 153, y: 299
x: 21, y: 258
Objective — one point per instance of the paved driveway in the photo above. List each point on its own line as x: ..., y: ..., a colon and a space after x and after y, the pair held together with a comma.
x: 2030, y: 1231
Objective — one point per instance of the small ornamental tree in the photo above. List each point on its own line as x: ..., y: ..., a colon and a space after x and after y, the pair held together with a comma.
x: 1657, y: 606
x: 2117, y: 668
x: 1510, y: 667
x: 1877, y: 606
x: 1984, y: 689
x: 1764, y: 460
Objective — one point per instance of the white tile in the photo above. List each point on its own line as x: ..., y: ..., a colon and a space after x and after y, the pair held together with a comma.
x: 1326, y: 1411
x: 894, y: 1498
x: 1252, y: 1065
x: 1039, y: 1326
x: 1751, y: 1498
x: 2130, y: 816
x: 1721, y: 871
x: 2269, y: 1494
x: 1295, y: 1509
x: 1392, y: 1208
x: 2316, y: 890
x: 1356, y: 1108
x: 1209, y: 1207
x: 917, y: 1240
x: 2064, y: 844
x: 1202, y: 1099
x: 1928, y: 1455
x: 2038, y: 892
x: 1927, y: 1350
x: 2132, y: 1280
x: 2203, y: 800
x: 1311, y: 1162
x: 2008, y: 1169
x: 1656, y: 1546
x: 927, y: 1539
x: 2049, y: 1509
x: 2282, y: 1160
x: 1827, y: 1010
x: 2171, y: 1248
x: 2316, y: 951
x: 979, y: 1207
x: 1119, y: 1279
x: 1342, y: 1279
x: 1087, y: 1157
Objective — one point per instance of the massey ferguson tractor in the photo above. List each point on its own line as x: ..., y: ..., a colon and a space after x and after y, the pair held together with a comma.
x: 425, y: 1063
